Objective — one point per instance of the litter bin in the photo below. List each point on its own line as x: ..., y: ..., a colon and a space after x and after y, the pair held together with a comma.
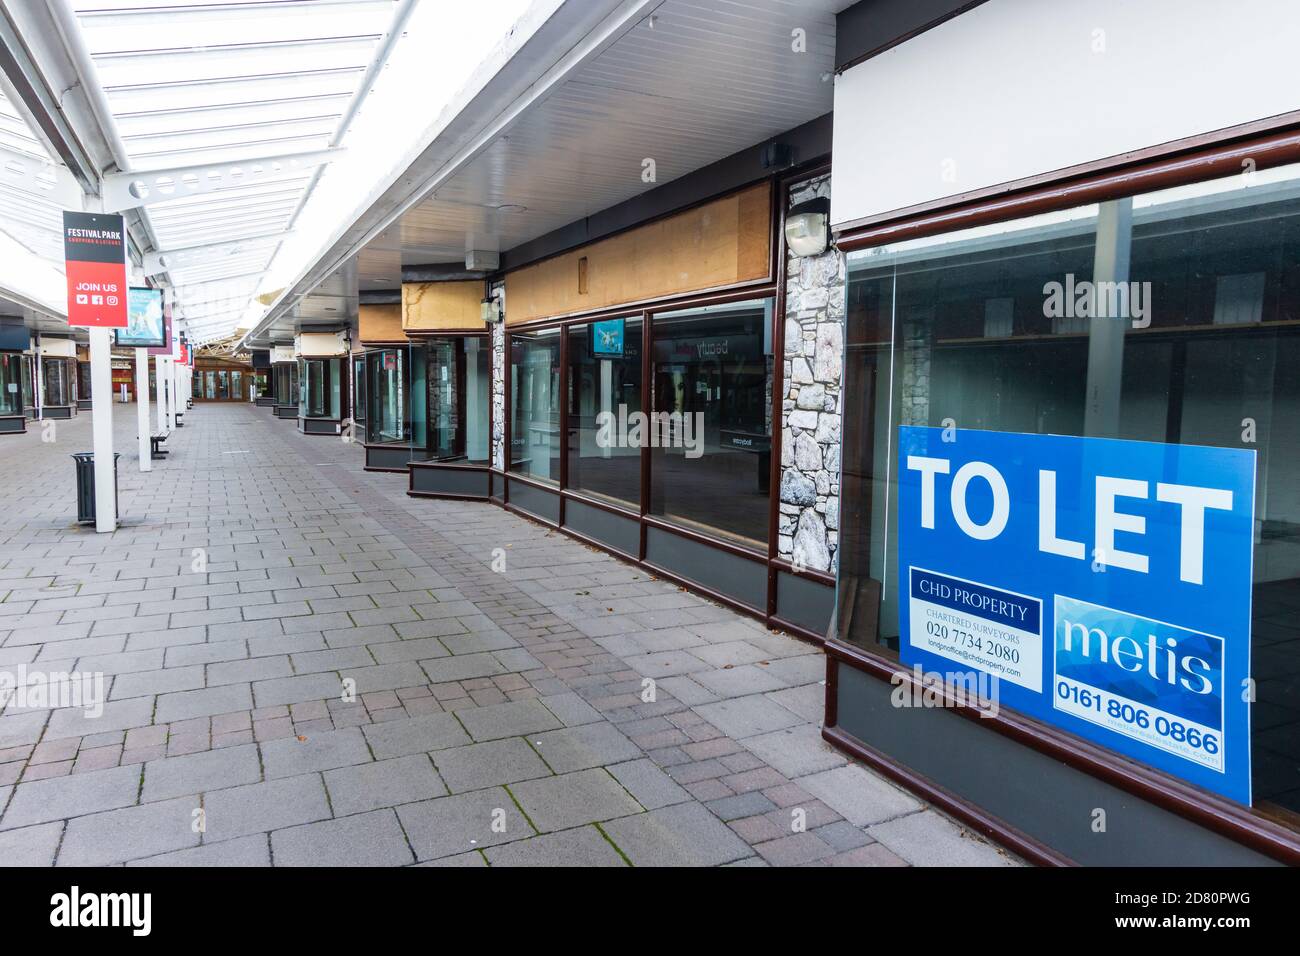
x: 86, y: 484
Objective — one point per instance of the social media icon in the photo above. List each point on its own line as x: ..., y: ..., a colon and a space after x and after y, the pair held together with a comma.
x: 96, y: 300
x: 83, y: 299
x: 111, y: 300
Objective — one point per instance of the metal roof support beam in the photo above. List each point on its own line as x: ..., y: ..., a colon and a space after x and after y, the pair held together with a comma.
x: 39, y: 103
x: 132, y: 190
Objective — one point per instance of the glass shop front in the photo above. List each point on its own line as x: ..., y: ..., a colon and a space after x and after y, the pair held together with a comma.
x: 976, y: 362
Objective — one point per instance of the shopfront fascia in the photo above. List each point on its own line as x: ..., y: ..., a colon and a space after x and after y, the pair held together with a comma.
x: 973, y: 309
x: 649, y: 424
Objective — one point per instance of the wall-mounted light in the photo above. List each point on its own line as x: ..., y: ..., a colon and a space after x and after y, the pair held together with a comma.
x: 807, y: 227
x: 489, y: 312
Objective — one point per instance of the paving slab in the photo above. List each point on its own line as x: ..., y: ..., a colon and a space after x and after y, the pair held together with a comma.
x: 685, y: 834
x: 367, y: 839
x: 429, y: 732
x: 859, y: 795
x: 584, y: 846
x: 261, y: 807
x: 585, y: 746
x: 293, y: 755
x: 242, y: 851
x: 61, y: 797
x: 570, y: 800
x: 30, y: 846
x: 508, y: 720
x: 488, y: 764
x: 748, y: 716
x: 116, y: 836
x: 463, y: 822
x: 384, y: 783
x: 928, y: 838
x: 197, y: 772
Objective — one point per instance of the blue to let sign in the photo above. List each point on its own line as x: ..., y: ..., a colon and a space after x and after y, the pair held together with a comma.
x: 1105, y: 583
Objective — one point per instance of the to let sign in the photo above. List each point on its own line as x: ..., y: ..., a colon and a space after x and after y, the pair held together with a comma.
x: 94, y: 253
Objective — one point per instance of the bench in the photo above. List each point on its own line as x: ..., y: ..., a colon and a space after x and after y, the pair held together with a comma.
x: 156, y: 451
x: 179, y: 423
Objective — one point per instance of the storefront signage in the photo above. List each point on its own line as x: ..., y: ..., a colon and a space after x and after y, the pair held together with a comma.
x: 144, y: 328
x: 1105, y: 583
x: 94, y: 252
x: 607, y: 338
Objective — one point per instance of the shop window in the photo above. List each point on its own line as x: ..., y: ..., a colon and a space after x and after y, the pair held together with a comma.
x: 286, y: 383
x: 459, y: 383
x: 388, y: 419
x: 29, y: 394
x: 535, y: 404
x: 83, y: 380
x: 11, y: 383
x: 359, y: 389
x: 320, y: 386
x: 56, y: 382
x: 711, y: 429
x: 986, y: 329
x: 604, y: 396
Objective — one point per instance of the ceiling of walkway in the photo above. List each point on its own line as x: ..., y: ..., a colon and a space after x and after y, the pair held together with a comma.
x: 681, y: 82
x: 268, y: 95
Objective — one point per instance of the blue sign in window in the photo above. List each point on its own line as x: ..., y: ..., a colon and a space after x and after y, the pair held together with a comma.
x: 1105, y: 583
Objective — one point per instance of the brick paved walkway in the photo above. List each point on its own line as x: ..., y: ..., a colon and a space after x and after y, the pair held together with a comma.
x: 498, y: 717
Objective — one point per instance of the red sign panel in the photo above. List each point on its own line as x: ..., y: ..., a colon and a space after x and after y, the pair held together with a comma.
x: 94, y: 253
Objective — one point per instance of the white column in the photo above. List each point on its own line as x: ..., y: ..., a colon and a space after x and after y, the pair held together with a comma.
x: 101, y: 410
x: 160, y: 392
x: 171, y: 395
x: 38, y: 384
x: 606, y: 400
x: 142, y: 408
x: 1106, y: 332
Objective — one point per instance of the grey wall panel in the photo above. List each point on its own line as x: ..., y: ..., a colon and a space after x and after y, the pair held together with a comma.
x: 14, y: 425
x: 603, y: 526
x: 734, y: 576
x: 1037, y: 794
x: 449, y: 481
x: 388, y: 456
x: 804, y: 602
x: 286, y: 411
x: 536, y: 501
x: 319, y: 426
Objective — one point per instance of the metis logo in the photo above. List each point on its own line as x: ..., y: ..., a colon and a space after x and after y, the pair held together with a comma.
x: 74, y: 908
x: 1147, y: 679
